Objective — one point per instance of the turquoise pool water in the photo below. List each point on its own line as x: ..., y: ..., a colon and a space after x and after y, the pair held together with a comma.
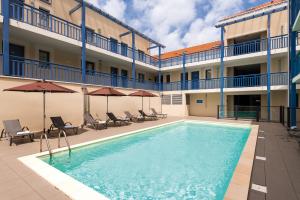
x: 180, y: 161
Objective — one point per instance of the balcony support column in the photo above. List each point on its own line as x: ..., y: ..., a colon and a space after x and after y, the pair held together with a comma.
x: 5, y: 33
x: 269, y: 68
x: 83, y: 41
x: 133, y: 59
x: 294, y: 6
x: 222, y: 74
x: 183, y: 87
x: 159, y: 70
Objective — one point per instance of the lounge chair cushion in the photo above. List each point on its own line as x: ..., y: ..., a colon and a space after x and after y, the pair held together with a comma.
x: 21, y: 133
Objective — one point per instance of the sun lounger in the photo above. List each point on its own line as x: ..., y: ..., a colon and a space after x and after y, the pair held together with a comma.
x: 146, y: 116
x: 14, y: 130
x: 58, y: 122
x: 117, y: 120
x: 133, y: 118
x: 159, y: 114
x: 96, y: 124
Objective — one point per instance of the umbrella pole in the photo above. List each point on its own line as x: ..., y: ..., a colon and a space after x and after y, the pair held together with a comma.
x: 143, y: 104
x: 149, y: 104
x: 106, y: 104
x: 44, y: 112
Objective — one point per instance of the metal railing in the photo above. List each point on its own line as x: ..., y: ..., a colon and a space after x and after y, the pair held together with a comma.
x: 28, y: 68
x: 33, y: 16
x: 254, y: 80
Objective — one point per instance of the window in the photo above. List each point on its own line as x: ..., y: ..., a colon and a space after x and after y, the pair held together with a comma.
x: 124, y: 48
x: 89, y: 35
x: 44, y: 58
x: 141, y: 55
x: 44, y: 17
x: 208, y: 74
x: 141, y: 77
x: 168, y: 78
x: 113, y: 45
x: 90, y: 68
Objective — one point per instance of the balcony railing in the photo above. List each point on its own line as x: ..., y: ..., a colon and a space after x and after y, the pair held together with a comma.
x: 35, y: 17
x: 255, y: 80
x: 27, y: 68
x: 249, y: 47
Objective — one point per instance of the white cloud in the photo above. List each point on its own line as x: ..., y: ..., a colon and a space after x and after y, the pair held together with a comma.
x: 175, y: 23
x: 115, y: 8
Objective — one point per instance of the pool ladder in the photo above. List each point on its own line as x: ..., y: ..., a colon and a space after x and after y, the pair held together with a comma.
x: 44, y: 135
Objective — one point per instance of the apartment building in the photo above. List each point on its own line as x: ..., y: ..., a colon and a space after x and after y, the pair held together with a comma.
x: 255, y: 50
x: 82, y: 47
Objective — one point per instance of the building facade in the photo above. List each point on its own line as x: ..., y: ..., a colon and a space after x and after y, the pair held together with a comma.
x: 82, y: 47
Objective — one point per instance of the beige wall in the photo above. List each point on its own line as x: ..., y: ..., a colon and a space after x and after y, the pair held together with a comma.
x: 95, y: 21
x: 28, y: 106
x: 208, y: 108
x: 258, y: 26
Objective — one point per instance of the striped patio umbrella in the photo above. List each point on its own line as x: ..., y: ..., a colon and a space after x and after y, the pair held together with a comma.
x: 43, y: 87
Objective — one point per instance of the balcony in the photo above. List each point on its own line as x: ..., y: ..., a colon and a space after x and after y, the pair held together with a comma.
x: 33, y: 69
x: 255, y: 80
x: 35, y: 17
x: 244, y: 48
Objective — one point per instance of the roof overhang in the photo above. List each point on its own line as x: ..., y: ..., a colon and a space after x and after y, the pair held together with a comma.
x: 252, y: 15
x: 296, y: 26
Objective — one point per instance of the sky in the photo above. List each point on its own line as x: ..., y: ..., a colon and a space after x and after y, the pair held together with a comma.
x: 175, y: 23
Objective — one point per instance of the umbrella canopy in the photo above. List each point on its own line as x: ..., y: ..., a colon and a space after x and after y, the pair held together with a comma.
x: 41, y: 86
x: 106, y: 91
x: 44, y: 87
x: 142, y: 93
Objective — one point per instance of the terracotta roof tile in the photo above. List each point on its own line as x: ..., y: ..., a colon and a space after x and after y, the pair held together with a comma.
x: 256, y: 8
x: 190, y: 50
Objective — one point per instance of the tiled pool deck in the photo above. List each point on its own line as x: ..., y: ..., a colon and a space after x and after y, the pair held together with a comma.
x: 279, y: 172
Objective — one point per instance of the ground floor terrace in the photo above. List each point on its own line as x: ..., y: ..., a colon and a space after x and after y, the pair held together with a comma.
x: 275, y: 165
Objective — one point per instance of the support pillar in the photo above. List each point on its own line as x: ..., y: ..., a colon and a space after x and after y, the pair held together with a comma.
x: 83, y: 40
x: 5, y: 33
x: 183, y: 87
x: 133, y: 59
x: 222, y: 74
x: 294, y: 6
x: 159, y: 70
x: 269, y: 68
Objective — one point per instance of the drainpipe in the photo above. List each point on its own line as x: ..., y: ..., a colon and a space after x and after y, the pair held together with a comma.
x: 222, y: 74
x: 269, y: 68
x: 5, y: 33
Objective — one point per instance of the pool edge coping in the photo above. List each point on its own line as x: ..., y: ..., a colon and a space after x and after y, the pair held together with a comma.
x: 78, y: 191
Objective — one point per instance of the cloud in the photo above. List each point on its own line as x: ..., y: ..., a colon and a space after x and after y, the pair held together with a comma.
x: 175, y: 23
x: 115, y: 8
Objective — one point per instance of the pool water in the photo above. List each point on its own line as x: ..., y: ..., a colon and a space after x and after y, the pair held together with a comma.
x: 185, y: 160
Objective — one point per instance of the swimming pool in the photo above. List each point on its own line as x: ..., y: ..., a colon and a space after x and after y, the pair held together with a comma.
x: 186, y: 160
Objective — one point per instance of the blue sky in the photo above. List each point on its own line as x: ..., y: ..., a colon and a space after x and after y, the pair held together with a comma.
x: 175, y: 23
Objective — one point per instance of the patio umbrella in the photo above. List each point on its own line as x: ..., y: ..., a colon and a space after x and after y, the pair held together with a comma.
x: 106, y: 91
x: 142, y: 93
x: 43, y: 87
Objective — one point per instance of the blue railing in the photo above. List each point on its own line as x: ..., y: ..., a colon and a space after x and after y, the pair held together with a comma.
x: 33, y: 16
x: 253, y: 46
x: 27, y: 68
x: 254, y: 80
